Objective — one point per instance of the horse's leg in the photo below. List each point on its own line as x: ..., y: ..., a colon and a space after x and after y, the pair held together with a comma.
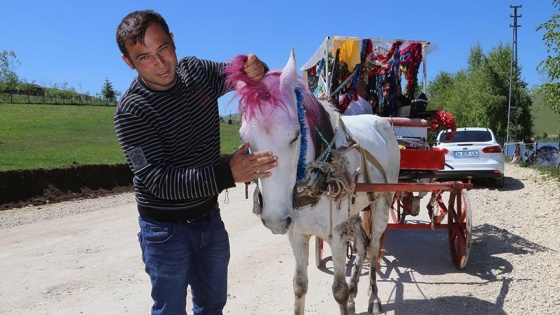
x: 366, y: 220
x: 300, y: 248
x: 361, y: 242
x: 340, y: 288
x: 380, y: 217
x: 365, y: 214
x: 381, y: 250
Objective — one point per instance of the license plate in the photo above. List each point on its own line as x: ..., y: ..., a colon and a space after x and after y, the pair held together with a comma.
x: 465, y: 154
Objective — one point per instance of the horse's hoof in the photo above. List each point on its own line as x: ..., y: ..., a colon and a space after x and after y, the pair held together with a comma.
x: 351, y: 308
x: 375, y: 308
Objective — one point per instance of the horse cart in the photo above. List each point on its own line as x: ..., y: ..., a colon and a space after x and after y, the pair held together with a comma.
x: 377, y: 61
x: 333, y: 168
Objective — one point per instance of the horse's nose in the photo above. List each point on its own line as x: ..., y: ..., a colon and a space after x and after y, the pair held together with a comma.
x: 288, y: 222
x: 278, y: 226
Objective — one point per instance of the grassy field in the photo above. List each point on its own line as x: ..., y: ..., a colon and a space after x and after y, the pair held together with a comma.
x: 53, y: 136
x: 545, y: 120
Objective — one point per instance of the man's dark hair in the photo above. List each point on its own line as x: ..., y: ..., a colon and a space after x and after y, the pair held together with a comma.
x: 132, y: 28
x: 386, y: 80
x: 371, y: 94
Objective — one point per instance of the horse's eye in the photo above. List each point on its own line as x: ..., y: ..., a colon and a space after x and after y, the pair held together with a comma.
x: 295, y: 138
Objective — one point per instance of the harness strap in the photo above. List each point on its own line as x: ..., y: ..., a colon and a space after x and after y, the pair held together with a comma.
x: 366, y: 156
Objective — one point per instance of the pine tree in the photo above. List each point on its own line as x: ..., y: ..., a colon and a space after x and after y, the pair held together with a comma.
x: 108, y: 92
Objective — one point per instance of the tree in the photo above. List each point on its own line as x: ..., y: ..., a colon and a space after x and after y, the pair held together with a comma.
x: 479, y: 95
x: 108, y: 92
x: 551, y: 65
x: 476, y: 57
x: 494, y: 75
x: 8, y: 64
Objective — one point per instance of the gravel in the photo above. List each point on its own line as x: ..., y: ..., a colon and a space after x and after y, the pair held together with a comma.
x: 32, y: 214
x: 514, y: 261
x: 515, y: 240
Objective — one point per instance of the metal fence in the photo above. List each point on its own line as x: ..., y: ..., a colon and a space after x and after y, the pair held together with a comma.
x: 54, y: 99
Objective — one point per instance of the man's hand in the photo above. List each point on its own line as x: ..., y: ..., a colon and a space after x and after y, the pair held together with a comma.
x: 248, y: 167
x: 254, y: 67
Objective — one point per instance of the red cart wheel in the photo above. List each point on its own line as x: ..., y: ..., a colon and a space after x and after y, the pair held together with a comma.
x: 460, y: 228
x: 318, y: 251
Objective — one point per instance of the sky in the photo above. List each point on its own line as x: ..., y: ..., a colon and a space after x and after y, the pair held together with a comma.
x: 60, y: 41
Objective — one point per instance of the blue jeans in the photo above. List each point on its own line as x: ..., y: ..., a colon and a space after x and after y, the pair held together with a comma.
x: 177, y: 255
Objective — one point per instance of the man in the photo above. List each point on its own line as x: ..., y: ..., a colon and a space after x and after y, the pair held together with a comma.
x: 361, y: 105
x: 393, y: 98
x: 167, y: 124
x: 372, y: 100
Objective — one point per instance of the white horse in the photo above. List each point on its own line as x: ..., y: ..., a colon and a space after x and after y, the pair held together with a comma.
x: 321, y: 155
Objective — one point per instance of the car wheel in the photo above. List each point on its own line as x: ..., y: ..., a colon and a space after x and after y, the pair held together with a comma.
x: 499, y: 183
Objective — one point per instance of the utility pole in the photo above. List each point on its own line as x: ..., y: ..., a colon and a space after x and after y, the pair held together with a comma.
x: 513, y: 71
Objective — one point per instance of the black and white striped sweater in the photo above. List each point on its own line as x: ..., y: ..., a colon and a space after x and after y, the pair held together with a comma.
x: 171, y: 139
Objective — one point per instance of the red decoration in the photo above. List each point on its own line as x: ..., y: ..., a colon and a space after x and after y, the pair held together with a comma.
x: 441, y: 120
x: 313, y: 71
x: 412, y: 59
x: 385, y: 59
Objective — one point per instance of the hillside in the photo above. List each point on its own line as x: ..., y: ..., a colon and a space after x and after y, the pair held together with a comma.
x: 544, y: 119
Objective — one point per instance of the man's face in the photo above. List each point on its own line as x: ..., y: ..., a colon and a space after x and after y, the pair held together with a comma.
x: 386, y: 88
x: 155, y: 60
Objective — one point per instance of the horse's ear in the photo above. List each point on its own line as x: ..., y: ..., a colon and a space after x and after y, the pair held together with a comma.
x: 288, y: 78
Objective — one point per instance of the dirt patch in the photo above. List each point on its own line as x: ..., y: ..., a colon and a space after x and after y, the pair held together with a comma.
x: 41, y: 186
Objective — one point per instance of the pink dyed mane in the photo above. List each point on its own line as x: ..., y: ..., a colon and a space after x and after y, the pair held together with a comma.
x: 252, y: 94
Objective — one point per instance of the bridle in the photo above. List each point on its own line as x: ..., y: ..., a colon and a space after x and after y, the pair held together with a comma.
x: 327, y: 174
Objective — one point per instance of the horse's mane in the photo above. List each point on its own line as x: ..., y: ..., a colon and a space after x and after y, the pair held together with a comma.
x: 252, y: 94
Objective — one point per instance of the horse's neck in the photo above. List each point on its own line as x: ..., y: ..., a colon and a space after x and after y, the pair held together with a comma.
x: 325, y: 128
x: 331, y: 111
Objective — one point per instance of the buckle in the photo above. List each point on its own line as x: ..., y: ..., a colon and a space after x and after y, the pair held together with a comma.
x: 204, y: 215
x: 196, y: 220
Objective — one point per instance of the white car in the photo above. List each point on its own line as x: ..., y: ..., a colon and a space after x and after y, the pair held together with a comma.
x: 473, y: 151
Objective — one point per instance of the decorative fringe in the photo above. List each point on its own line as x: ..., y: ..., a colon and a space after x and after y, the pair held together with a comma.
x: 320, y: 67
x: 303, y: 134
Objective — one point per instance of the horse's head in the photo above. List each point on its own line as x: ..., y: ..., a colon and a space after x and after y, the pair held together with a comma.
x: 276, y: 116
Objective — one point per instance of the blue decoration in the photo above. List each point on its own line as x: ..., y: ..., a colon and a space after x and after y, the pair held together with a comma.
x: 303, y: 134
x: 320, y: 67
x: 363, y: 50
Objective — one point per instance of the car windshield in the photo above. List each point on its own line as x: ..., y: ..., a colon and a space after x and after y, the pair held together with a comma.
x: 467, y: 136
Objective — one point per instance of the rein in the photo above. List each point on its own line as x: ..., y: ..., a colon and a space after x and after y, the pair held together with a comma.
x: 365, y: 157
x: 329, y: 172
x: 326, y: 175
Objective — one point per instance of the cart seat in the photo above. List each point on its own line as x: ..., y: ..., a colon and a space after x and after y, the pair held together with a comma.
x: 412, y: 133
x: 407, y: 122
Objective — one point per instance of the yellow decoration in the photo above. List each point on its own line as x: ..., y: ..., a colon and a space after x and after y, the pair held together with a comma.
x: 349, y: 53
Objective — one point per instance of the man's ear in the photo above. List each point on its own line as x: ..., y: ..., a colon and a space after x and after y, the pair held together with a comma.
x: 128, y: 62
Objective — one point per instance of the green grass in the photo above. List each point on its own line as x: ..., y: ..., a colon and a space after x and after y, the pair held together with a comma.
x: 51, y: 136
x: 544, y: 119
x: 230, y: 140
x: 54, y: 136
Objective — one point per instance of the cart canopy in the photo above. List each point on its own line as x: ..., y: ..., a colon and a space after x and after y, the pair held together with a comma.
x: 341, y: 62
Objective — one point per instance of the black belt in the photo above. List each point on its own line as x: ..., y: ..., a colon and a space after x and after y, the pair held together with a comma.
x: 175, y: 216
x: 205, y: 215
